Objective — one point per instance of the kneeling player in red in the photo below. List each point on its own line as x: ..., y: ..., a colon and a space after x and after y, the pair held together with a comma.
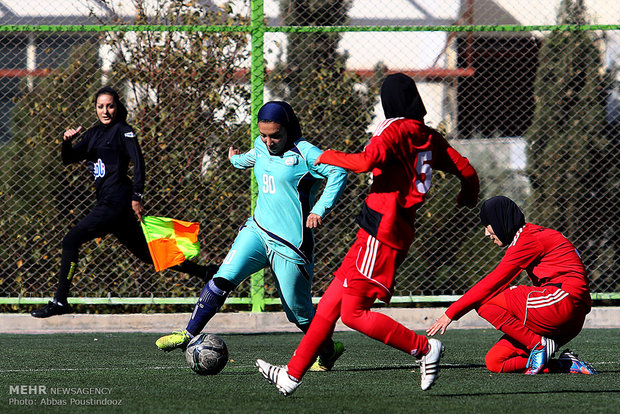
x: 535, y: 319
x: 402, y: 155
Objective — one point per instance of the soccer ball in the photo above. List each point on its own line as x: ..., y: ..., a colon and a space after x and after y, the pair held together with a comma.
x: 206, y: 354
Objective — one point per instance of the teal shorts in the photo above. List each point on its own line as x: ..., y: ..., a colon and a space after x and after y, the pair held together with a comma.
x: 249, y: 254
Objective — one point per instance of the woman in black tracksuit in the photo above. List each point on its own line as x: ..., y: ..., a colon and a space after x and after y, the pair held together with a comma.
x: 108, y: 147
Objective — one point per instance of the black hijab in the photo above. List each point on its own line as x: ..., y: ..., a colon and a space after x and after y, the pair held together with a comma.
x: 121, y: 111
x: 400, y: 98
x: 504, y: 216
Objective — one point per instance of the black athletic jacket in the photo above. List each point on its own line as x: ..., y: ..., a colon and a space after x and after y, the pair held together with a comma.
x: 108, y: 150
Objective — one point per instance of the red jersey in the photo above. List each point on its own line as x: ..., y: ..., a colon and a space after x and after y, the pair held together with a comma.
x: 547, y: 257
x: 402, y: 155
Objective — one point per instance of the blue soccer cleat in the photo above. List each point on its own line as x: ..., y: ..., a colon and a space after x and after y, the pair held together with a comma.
x: 570, y: 362
x: 540, y: 356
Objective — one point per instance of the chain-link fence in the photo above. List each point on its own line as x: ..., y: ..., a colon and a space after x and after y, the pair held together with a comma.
x: 528, y: 92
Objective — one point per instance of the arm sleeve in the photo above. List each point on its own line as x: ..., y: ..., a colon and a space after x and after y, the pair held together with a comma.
x: 516, y: 259
x: 450, y: 161
x: 375, y: 153
x: 245, y: 160
x: 74, y: 153
x: 135, y: 155
x: 336, y: 181
x: 485, y: 289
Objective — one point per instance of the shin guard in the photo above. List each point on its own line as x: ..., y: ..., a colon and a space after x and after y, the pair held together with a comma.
x: 211, y: 300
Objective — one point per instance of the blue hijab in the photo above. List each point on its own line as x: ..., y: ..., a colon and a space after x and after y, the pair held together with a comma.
x: 281, y: 113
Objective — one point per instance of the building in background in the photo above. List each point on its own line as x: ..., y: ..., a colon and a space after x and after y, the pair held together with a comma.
x: 475, y: 85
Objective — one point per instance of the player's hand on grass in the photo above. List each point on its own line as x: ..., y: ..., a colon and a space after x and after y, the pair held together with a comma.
x: 232, y: 151
x: 71, y: 133
x: 313, y: 221
x: 138, y: 208
x: 440, y: 325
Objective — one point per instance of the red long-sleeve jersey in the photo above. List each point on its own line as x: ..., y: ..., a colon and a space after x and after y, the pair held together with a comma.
x: 402, y: 155
x: 547, y: 257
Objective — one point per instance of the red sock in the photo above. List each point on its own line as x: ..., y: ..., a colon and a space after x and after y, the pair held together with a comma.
x: 506, y: 355
x: 355, y: 314
x: 310, y: 346
x: 320, y: 330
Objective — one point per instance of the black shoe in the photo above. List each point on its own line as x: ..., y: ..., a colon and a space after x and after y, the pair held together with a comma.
x: 51, y: 309
x: 210, y: 271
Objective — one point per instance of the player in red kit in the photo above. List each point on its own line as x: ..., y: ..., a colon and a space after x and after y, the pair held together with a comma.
x: 535, y: 319
x: 402, y: 155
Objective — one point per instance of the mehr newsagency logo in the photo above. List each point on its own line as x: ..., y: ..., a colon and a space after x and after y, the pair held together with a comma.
x: 42, y: 395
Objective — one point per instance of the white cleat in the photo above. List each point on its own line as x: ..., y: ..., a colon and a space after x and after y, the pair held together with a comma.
x: 429, y: 363
x: 278, y: 376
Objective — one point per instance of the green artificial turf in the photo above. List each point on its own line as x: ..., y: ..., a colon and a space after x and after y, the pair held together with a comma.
x: 125, y: 373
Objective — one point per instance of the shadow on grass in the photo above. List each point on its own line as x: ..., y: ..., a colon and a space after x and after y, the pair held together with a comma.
x: 408, y: 366
x: 490, y: 394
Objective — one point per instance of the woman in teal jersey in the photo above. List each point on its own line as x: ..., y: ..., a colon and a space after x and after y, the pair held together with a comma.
x: 279, y: 234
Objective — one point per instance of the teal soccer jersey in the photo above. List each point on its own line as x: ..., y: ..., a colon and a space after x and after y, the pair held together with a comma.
x: 287, y: 189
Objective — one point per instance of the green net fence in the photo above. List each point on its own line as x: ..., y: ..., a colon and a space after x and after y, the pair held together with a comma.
x: 528, y: 92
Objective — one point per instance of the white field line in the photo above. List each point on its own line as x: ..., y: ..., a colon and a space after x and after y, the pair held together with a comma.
x: 2, y: 371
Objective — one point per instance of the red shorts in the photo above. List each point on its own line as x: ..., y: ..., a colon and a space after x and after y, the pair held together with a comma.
x: 368, y: 268
x: 547, y: 310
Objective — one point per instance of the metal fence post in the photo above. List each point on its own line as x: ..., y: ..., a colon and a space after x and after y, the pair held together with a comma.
x: 257, y: 79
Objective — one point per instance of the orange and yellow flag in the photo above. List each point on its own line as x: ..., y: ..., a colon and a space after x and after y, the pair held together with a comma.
x: 170, y: 241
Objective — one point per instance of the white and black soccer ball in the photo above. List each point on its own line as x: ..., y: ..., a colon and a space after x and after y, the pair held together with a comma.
x: 206, y: 354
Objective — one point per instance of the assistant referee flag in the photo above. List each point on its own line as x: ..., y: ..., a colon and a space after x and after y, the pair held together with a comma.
x: 170, y: 241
